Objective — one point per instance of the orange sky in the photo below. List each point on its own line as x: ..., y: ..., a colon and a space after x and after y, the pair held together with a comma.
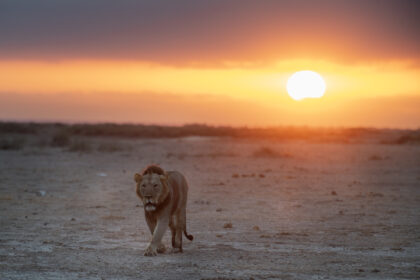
x: 227, y: 67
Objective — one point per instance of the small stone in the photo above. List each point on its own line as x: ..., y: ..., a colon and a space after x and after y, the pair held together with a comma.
x: 333, y: 193
x: 219, y: 210
x: 261, y: 175
x: 41, y: 193
x: 73, y: 219
x: 257, y: 228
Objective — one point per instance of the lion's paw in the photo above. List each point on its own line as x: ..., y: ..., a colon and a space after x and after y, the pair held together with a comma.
x: 176, y: 250
x: 150, y: 251
x: 161, y: 249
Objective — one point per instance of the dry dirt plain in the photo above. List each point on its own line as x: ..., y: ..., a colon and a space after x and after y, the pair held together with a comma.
x: 258, y: 209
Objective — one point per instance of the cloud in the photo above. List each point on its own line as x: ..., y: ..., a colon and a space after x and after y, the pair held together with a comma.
x: 209, y: 32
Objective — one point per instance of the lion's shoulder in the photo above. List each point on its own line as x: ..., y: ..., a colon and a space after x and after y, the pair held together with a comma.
x: 176, y: 177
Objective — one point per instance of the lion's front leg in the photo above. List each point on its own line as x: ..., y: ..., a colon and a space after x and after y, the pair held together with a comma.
x: 156, y: 243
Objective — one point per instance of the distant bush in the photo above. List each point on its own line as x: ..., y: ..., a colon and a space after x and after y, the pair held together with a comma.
x: 402, y: 138
x: 60, y: 139
x: 203, y: 155
x: 80, y: 146
x: 12, y: 144
x: 41, y: 142
x: 412, y: 138
x: 148, y: 131
x: 216, y: 154
x: 268, y: 152
x: 19, y: 128
x: 110, y: 147
x: 376, y: 157
x: 63, y: 133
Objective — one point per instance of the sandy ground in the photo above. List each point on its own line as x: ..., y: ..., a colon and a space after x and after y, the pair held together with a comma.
x: 298, y: 211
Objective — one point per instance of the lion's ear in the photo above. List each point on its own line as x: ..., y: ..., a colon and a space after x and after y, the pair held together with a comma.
x: 164, y: 177
x: 137, y: 177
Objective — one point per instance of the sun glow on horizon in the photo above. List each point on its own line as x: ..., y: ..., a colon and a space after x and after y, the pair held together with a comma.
x: 105, y: 89
x: 305, y: 84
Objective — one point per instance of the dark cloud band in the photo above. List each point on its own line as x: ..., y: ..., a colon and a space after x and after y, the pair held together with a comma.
x: 209, y: 31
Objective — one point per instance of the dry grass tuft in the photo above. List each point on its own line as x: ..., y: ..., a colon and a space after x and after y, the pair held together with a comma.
x: 80, y: 146
x: 228, y: 225
x: 269, y: 153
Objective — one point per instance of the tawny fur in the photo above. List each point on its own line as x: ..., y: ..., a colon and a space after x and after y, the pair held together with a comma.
x: 164, y: 195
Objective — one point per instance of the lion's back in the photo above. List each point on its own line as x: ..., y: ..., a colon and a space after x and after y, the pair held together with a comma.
x: 179, y: 186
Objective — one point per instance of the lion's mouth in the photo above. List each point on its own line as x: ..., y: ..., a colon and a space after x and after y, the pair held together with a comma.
x: 150, y: 206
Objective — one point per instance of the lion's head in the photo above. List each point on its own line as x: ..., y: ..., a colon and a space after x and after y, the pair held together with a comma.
x: 152, y: 187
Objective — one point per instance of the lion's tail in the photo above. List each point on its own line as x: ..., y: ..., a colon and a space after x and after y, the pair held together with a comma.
x: 189, y: 236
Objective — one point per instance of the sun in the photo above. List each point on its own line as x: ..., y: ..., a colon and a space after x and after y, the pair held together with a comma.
x: 305, y: 84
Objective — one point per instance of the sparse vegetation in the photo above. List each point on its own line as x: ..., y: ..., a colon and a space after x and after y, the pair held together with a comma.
x: 81, y: 146
x: 376, y: 157
x: 268, y: 152
x: 409, y: 138
x: 12, y: 144
x: 64, y: 133
x: 19, y: 128
x: 205, y: 155
x: 110, y: 147
x: 60, y: 139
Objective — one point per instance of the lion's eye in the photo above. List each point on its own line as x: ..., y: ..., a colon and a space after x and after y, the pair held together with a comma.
x: 143, y: 186
x: 155, y: 186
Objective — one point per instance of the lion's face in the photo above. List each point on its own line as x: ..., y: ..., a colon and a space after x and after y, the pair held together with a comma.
x: 152, y: 189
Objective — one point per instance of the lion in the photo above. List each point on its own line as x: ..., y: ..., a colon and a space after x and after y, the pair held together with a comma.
x: 164, y: 196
